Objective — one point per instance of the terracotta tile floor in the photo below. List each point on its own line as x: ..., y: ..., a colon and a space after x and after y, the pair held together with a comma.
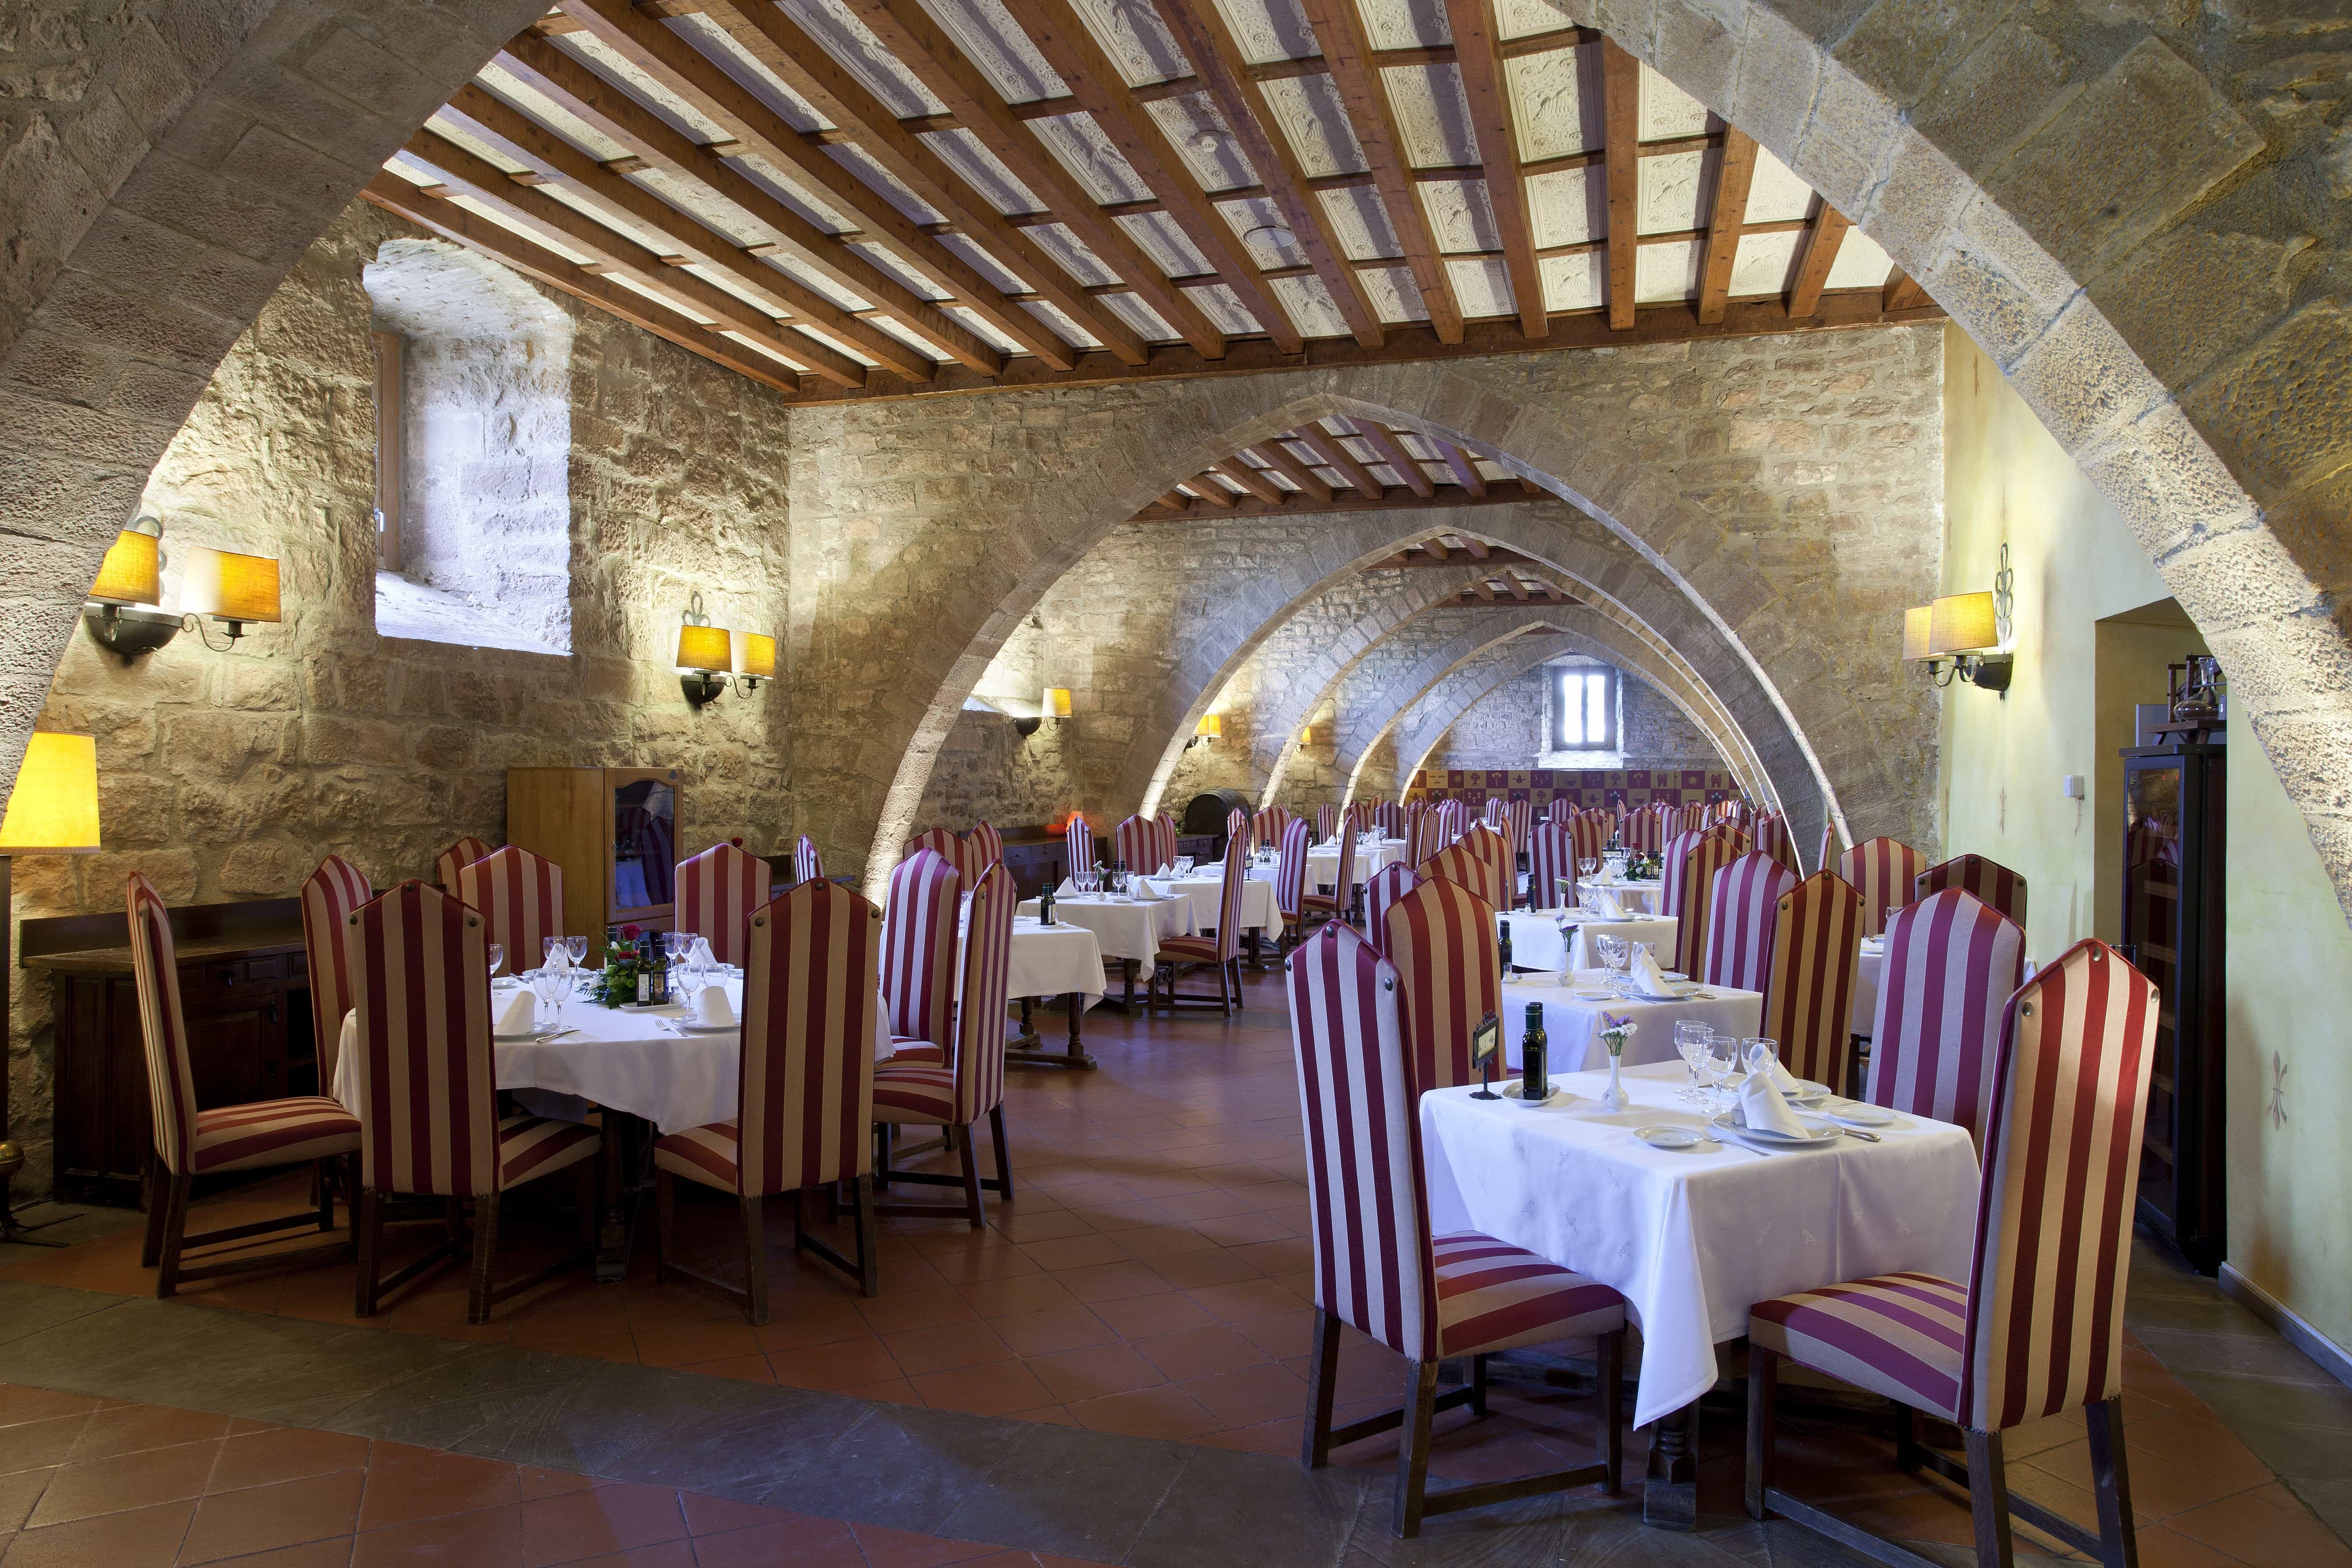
x: 1151, y: 1278
x: 89, y: 1482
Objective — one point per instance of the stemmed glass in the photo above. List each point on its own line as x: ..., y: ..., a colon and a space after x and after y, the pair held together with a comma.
x: 577, y: 946
x: 1722, y: 1065
x: 498, y: 957
x: 552, y: 953
x: 1183, y: 864
x: 1615, y: 954
x: 1690, y: 1044
x: 548, y: 984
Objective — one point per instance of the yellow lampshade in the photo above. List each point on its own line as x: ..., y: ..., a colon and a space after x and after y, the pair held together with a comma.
x: 759, y: 656
x: 1962, y: 623
x: 1210, y: 725
x: 1916, y: 626
x: 1056, y: 704
x: 133, y: 571
x: 230, y: 585
x: 54, y: 807
x: 1306, y: 735
x: 705, y: 648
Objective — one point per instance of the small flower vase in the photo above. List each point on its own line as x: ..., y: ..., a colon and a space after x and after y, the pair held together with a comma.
x: 1613, y: 1098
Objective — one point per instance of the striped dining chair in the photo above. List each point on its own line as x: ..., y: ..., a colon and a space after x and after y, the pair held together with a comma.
x: 1078, y: 845
x: 1809, y: 1000
x: 1389, y: 817
x: 1134, y: 844
x: 1551, y: 860
x: 1987, y: 881
x: 1327, y: 822
x: 328, y: 894
x: 521, y: 897
x: 428, y: 1103
x: 1221, y: 949
x: 1769, y: 833
x: 717, y: 891
x: 1266, y: 827
x: 983, y: 847
x: 1692, y: 861
x: 918, y: 1094
x: 1884, y: 871
x: 804, y: 1085
x: 808, y: 866
x: 1381, y: 891
x: 1828, y: 841
x: 1951, y: 963
x: 1475, y: 860
x: 1429, y: 837
x: 1521, y: 815
x: 1238, y: 835
x: 1290, y: 883
x: 1165, y: 841
x: 450, y: 861
x: 1743, y: 920
x: 1334, y: 905
x: 919, y: 956
x: 2037, y: 1328
x: 1378, y: 1270
x: 1588, y: 832
x: 1491, y: 842
x: 1449, y: 960
x: 309, y: 1130
x: 1642, y: 831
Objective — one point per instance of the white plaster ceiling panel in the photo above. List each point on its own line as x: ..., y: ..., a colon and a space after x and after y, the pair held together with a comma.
x: 1089, y: 155
x: 726, y: 284
x: 447, y: 127
x: 1860, y: 263
x: 1482, y: 285
x: 1673, y: 192
x: 905, y: 334
x: 660, y: 245
x: 1555, y: 101
x: 547, y: 112
x: 1198, y: 131
x: 1360, y: 223
x: 817, y: 282
x: 1667, y: 110
x: 695, y: 197
x: 1263, y: 231
x: 1667, y: 271
x: 731, y: 58
x: 991, y: 39
x: 1131, y: 310
x: 1775, y: 195
x: 1568, y: 206
x: 1405, y: 23
x: 764, y: 350
x: 1432, y: 114
x: 923, y: 286
x: 1222, y: 305
x: 1394, y: 295
x: 1765, y: 264
x: 1460, y: 218
x: 985, y: 331
x: 1524, y: 18
x: 1138, y: 42
x: 634, y: 287
x: 859, y: 162
x: 1170, y: 247
x: 1573, y: 282
x: 847, y: 40
x: 536, y: 236
x: 1068, y: 331
x: 1308, y: 113
x: 1073, y: 253
x: 780, y: 184
x: 1267, y: 31
x: 995, y: 184
x: 984, y: 262
x: 1309, y: 306
x: 615, y: 67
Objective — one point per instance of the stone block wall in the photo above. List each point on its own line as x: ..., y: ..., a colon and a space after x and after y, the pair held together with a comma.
x: 1509, y: 728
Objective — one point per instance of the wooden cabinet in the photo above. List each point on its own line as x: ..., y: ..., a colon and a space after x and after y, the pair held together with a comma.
x: 614, y: 833
x: 1037, y: 861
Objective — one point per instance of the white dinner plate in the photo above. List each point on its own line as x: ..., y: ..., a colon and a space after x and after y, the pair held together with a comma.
x: 1824, y: 1135
x: 1857, y: 1113
x: 1811, y: 1094
x: 1512, y: 1090
x: 691, y: 1027
x: 1669, y: 1137
x: 527, y: 1039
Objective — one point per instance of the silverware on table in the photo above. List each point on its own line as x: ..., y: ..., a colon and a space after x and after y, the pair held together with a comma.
x: 1858, y: 1133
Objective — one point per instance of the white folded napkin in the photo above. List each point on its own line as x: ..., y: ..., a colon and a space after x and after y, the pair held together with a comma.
x: 1766, y: 1061
x: 1611, y: 909
x: 1650, y: 979
x: 516, y: 1016
x: 702, y: 954
x: 1160, y: 889
x: 1068, y: 890
x: 712, y: 1007
x: 1167, y: 868
x: 1762, y: 1108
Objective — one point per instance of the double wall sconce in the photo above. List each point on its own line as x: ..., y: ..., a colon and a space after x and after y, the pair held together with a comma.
x: 1054, y: 703
x: 1965, y: 635
x: 123, y: 611
x: 711, y: 658
x: 1210, y: 728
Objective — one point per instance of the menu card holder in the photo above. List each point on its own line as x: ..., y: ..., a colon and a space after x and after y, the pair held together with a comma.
x: 1485, y: 1044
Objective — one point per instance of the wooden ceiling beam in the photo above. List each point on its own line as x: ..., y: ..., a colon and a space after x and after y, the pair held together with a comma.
x: 1208, y: 488
x: 1338, y: 28
x: 1308, y: 482
x: 1485, y: 590
x: 1466, y: 470
x: 1478, y: 548
x: 1436, y: 547
x: 1479, y: 59
x: 1902, y: 292
x: 1249, y: 479
x: 1517, y: 585
x: 1412, y: 557
x: 1621, y: 136
x: 1727, y: 215
x: 1336, y: 455
x: 1202, y: 33
x: 1176, y: 500
x: 1448, y: 496
x: 1821, y: 253
x: 1388, y: 445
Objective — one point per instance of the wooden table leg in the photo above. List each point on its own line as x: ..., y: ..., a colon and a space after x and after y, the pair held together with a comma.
x: 1029, y: 1050
x: 1670, y: 1489
x: 620, y: 1192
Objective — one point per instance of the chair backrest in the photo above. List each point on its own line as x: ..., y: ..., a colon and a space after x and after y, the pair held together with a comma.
x: 1237, y: 833
x: 450, y: 861
x: 941, y: 842
x: 521, y: 897
x: 428, y: 1109
x: 1491, y: 849
x: 1829, y: 837
x: 1266, y: 827
x: 1429, y: 835
x: 1692, y: 861
x: 808, y: 866
x: 1551, y: 860
x: 919, y: 947
x: 981, y: 995
x: 1365, y: 1203
x: 1743, y: 916
x: 806, y: 1089
x: 1951, y: 964
x: 1770, y: 834
x: 983, y: 847
x: 1079, y: 841
x: 1642, y: 832
x: 1449, y: 960
x: 330, y: 893
x: 1388, y: 816
x: 2061, y: 1174
x: 1235, y: 875
x: 162, y: 1025
x: 1690, y: 818
x: 1454, y: 813
x: 1521, y: 815
x: 1987, y: 881
x: 1676, y: 851
x: 717, y: 891
x: 1166, y: 841
x: 1382, y: 890
x: 1731, y: 833
x: 1884, y: 871
x: 1343, y: 874
x: 1327, y: 822
x: 1809, y: 1002
x: 1134, y: 844
x: 1290, y: 871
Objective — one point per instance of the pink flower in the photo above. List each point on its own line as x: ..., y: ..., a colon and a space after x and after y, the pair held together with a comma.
x: 630, y: 933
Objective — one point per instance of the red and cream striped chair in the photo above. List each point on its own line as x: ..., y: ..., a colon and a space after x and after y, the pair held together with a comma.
x: 1378, y: 1270
x: 1078, y: 845
x: 456, y: 858
x: 1644, y: 832
x: 1166, y: 841
x: 1692, y: 818
x: 1493, y: 814
x: 1381, y: 891
x: 1449, y: 959
x: 521, y: 897
x: 428, y: 1105
x: 808, y: 866
x: 1588, y: 832
x: 189, y: 1142
x: 717, y: 891
x: 1809, y: 1001
x: 1389, y: 817
x: 1551, y: 860
x: 1770, y: 834
x: 1314, y: 903
x: 919, y: 956
x: 1134, y: 844
x: 1987, y: 881
x: 1687, y: 891
x: 1429, y: 837
x: 1220, y: 948
x: 1883, y: 871
x: 2037, y: 1329
x: 1829, y: 838
x: 1743, y: 921
x: 1290, y: 882
x: 1951, y: 964
x: 1327, y: 822
x: 1475, y: 860
x: 943, y: 843
x: 328, y: 895
x: 915, y: 1094
x: 1267, y: 827
x: 805, y: 1085
x: 983, y: 847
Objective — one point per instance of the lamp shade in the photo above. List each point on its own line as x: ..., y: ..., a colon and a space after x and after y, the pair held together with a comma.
x: 133, y: 571
x: 230, y: 585
x: 1056, y: 704
x: 54, y: 808
x: 1962, y: 623
x: 759, y: 656
x: 705, y: 648
x: 1210, y: 725
x: 1916, y: 623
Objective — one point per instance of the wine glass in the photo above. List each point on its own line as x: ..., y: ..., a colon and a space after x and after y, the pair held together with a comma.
x: 1757, y: 1053
x: 548, y: 984
x: 1690, y: 1044
x: 1615, y: 954
x: 577, y: 946
x: 498, y: 957
x: 1183, y: 864
x: 552, y: 953
x: 1722, y: 1065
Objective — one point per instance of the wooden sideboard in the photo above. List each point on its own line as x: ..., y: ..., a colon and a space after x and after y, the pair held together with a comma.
x: 244, y: 982
x: 1037, y: 860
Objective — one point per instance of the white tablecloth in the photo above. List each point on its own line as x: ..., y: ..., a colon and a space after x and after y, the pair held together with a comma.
x: 1121, y: 929
x: 1323, y: 864
x: 1573, y: 1024
x: 1205, y: 891
x: 1866, y: 985
x: 1051, y: 961
x: 1633, y: 898
x: 1693, y: 1239
x: 1535, y: 941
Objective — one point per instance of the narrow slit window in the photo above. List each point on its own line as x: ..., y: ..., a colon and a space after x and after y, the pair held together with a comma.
x: 1584, y: 709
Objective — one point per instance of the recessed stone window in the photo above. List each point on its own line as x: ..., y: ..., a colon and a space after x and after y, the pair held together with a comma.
x: 474, y: 448
x: 1583, y: 715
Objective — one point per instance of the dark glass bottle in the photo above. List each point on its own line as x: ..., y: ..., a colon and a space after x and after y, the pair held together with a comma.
x: 1506, y: 926
x: 1534, y: 1084
x: 1046, y: 905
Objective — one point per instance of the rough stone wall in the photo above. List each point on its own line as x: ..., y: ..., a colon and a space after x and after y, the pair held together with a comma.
x: 228, y: 776
x: 1509, y: 728
x: 988, y: 772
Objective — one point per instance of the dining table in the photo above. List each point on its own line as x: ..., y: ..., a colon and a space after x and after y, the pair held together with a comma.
x: 1574, y: 1004
x: 1692, y: 1238
x: 1371, y: 858
x: 1536, y: 942
x: 1127, y: 930
x: 1636, y: 897
x: 1205, y: 890
x: 1060, y: 959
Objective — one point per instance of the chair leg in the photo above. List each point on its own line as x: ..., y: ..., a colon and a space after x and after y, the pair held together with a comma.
x: 158, y: 1203
x: 2111, y: 1480
x: 972, y: 1203
x: 175, y: 1227
x: 486, y: 1252
x: 1322, y: 1392
x: 1003, y: 1155
x: 755, y: 1262
x: 665, y: 1222
x: 1988, y: 1500
x: 1412, y: 1449
x: 1612, y: 1411
x: 1906, y: 1439
x: 367, y: 1231
x: 869, y: 1267
x: 1478, y: 1385
x: 322, y: 1190
x: 591, y: 1185
x: 1763, y: 1384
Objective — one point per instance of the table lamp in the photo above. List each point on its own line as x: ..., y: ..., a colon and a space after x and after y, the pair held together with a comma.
x: 53, y: 810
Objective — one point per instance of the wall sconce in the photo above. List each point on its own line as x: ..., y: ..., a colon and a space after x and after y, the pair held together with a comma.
x: 1306, y: 734
x: 1057, y: 703
x: 1958, y: 635
x: 1210, y: 727
x: 236, y: 590
x: 706, y: 662
x: 123, y: 611
x: 759, y: 662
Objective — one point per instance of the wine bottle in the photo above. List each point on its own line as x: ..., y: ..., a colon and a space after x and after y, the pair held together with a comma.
x: 1535, y: 1083
x: 1507, y: 949
x: 1046, y: 905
